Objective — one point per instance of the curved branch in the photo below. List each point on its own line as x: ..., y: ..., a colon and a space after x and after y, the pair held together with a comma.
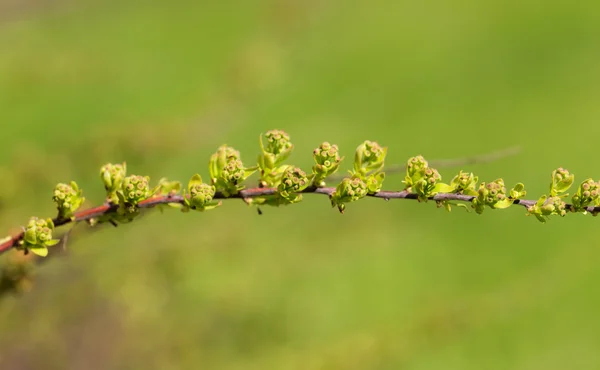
x: 107, y: 209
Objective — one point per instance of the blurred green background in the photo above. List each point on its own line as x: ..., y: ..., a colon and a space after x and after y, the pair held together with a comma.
x: 395, y: 285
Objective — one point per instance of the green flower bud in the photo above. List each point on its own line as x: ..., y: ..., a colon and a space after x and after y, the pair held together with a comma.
x: 112, y: 176
x: 554, y: 206
x: 587, y: 194
x: 546, y: 207
x: 517, y: 192
x: 415, y: 165
x: 327, y: 159
x: 421, y: 179
x: 37, y: 236
x: 68, y: 199
x: 274, y: 153
x: 233, y: 172
x: 431, y: 175
x: 349, y: 190
x: 369, y: 157
x: 374, y: 182
x: 200, y: 195
x: 278, y: 142
x: 561, y: 181
x: 492, y: 194
x: 427, y: 183
x: 465, y: 183
x: 219, y: 160
x: 293, y: 181
x: 135, y: 189
x: 227, y: 171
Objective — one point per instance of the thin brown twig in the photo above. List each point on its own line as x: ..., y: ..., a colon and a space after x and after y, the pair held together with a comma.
x: 107, y: 209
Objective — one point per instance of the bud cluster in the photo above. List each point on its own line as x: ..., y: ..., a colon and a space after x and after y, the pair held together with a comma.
x: 327, y: 159
x: 493, y: 195
x: 546, y: 207
x: 37, y: 236
x: 561, y: 181
x: 349, y: 190
x: 278, y: 144
x: 423, y: 180
x: 227, y: 172
x: 112, y: 176
x: 200, y: 195
x: 465, y: 183
x: 68, y: 198
x: 277, y: 150
x: 369, y: 159
x: 369, y: 156
x: 415, y: 165
x: 135, y: 189
x: 293, y: 181
x: 587, y: 194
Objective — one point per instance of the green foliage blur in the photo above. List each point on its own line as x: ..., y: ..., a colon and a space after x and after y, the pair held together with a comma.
x: 396, y: 285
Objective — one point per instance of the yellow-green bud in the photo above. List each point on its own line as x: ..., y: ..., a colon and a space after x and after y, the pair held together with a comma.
x: 369, y: 156
x: 67, y: 198
x: 492, y: 194
x: 112, y: 176
x: 415, y: 165
x: 465, y: 183
x: 561, y: 181
x: 349, y: 190
x: 37, y: 236
x: 135, y: 189
x: 233, y: 172
x: 201, y: 195
x: 278, y: 142
x: 327, y: 159
x: 587, y: 194
x: 293, y: 180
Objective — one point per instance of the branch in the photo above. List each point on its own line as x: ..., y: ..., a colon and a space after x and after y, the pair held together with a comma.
x: 111, y: 209
x: 283, y: 184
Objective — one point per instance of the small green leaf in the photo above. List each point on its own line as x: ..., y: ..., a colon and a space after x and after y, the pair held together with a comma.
x: 442, y: 188
x: 40, y: 251
x: 561, y: 181
x: 540, y: 202
x: 501, y: 204
x: 212, y: 206
x: 195, y: 180
x: 30, y: 236
x: 518, y: 192
x: 50, y: 243
x: 369, y: 159
x: 464, y: 183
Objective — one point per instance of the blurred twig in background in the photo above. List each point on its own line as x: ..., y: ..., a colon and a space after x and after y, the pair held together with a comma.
x: 476, y: 159
x: 454, y: 162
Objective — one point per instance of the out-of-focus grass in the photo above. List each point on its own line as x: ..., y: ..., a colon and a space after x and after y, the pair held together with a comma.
x: 385, y: 286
